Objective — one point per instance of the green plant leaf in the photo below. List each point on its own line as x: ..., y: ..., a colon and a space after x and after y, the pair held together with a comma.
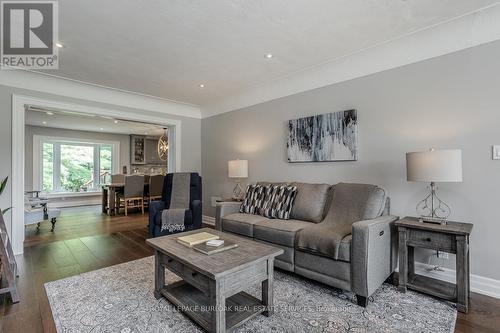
x: 4, y: 183
x: 5, y: 210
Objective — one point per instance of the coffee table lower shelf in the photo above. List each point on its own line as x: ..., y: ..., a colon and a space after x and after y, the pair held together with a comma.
x: 196, y: 305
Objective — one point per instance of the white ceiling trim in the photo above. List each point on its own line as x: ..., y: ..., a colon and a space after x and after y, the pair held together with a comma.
x: 463, y: 32
x: 86, y: 91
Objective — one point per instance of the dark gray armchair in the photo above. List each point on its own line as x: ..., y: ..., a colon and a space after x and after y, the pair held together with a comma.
x: 192, y: 218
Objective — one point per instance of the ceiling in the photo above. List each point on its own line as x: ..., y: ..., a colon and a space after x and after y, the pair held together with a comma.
x: 64, y: 120
x: 167, y: 48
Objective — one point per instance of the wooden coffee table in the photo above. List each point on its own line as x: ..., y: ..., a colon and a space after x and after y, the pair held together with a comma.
x: 211, y: 291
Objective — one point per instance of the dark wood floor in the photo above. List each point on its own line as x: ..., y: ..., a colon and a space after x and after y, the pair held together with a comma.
x: 85, y: 240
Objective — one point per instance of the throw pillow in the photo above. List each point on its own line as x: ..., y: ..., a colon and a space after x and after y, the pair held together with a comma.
x: 278, y: 202
x: 267, y: 202
x: 252, y: 203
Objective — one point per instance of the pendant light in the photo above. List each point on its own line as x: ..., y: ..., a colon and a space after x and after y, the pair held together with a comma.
x: 163, y: 146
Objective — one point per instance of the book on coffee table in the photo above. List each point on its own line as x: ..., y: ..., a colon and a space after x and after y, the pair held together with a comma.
x: 198, y: 238
x: 208, y: 250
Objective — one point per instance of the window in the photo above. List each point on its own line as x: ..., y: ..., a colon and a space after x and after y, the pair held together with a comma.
x: 68, y: 165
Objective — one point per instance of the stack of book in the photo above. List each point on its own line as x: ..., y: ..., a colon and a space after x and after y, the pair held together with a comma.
x: 201, y: 242
x: 193, y: 239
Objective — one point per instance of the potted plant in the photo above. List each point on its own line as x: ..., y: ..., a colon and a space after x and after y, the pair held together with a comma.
x: 2, y: 188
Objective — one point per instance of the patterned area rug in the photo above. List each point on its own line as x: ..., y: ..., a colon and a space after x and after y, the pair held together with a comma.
x: 120, y: 299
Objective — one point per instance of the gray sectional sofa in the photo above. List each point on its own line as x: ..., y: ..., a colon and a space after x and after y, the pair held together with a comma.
x: 341, y: 235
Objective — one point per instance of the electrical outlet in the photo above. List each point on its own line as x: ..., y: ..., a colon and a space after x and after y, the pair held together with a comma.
x: 213, y: 200
x: 443, y: 255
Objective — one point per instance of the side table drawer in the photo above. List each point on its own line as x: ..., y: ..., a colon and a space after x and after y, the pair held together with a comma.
x: 432, y: 240
x: 173, y: 265
x: 197, y: 280
x: 189, y: 275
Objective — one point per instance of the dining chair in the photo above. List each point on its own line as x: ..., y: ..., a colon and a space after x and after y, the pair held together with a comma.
x: 155, y: 187
x: 133, y: 194
x: 118, y: 178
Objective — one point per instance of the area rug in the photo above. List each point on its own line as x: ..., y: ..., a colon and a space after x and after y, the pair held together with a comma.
x: 120, y: 299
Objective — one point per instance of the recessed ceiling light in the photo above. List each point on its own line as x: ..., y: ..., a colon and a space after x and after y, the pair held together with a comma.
x: 44, y: 122
x: 269, y: 55
x: 102, y: 129
x: 202, y: 85
x: 116, y: 121
x: 50, y: 113
x: 59, y: 45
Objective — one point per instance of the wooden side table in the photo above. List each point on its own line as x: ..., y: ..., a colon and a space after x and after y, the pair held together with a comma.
x: 452, y: 238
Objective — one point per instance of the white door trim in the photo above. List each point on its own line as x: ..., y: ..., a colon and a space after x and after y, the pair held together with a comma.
x: 19, y: 103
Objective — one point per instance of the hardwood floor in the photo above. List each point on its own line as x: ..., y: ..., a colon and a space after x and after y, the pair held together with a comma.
x: 86, y: 240
x: 80, y: 222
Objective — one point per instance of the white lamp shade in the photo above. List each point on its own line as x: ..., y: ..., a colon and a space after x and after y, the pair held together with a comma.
x: 237, y: 168
x: 434, y: 166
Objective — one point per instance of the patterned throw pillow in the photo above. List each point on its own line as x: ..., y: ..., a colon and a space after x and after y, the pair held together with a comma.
x: 278, y: 202
x: 254, y: 196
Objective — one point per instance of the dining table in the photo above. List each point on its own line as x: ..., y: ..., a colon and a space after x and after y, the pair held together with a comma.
x: 109, y: 196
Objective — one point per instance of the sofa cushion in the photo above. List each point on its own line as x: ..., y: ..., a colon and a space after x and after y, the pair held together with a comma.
x: 284, y: 261
x: 356, y: 202
x: 345, y: 249
x: 310, y: 202
x: 278, y: 202
x: 320, y: 239
x: 240, y: 223
x: 281, y: 232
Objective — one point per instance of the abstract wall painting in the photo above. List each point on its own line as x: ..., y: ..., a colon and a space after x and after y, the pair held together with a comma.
x: 326, y: 137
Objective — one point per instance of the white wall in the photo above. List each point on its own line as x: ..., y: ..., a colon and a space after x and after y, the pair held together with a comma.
x: 448, y: 102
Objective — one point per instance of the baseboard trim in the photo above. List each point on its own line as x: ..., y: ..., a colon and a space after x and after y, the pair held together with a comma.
x: 478, y: 284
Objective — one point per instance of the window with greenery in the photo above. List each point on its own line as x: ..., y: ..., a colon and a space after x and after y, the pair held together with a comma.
x: 72, y: 166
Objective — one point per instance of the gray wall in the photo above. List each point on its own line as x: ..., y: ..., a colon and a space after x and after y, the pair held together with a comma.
x: 448, y: 102
x: 191, y: 129
x: 30, y: 131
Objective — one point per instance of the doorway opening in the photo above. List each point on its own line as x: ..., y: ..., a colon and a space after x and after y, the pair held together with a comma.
x: 67, y: 156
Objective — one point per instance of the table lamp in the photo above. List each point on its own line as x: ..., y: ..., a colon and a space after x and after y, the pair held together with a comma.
x: 431, y: 167
x: 237, y: 169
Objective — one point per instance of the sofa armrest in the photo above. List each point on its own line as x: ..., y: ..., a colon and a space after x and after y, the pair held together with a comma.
x: 223, y: 209
x: 373, y: 253
x: 155, y: 207
x: 197, y: 214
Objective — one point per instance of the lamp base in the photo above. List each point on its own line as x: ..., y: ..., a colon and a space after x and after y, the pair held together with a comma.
x: 432, y: 209
x: 238, y: 192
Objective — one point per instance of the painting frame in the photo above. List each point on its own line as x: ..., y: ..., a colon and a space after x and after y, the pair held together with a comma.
x: 328, y: 137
